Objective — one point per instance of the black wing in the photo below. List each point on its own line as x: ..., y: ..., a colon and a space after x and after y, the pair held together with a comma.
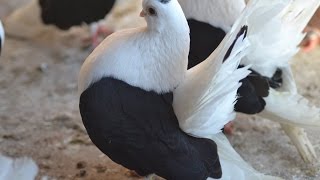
x: 67, y: 13
x: 139, y: 130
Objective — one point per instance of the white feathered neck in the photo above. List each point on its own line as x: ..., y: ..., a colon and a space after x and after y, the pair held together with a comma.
x: 150, y: 59
x: 218, y: 13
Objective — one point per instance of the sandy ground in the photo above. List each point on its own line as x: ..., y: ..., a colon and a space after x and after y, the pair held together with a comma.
x: 39, y: 114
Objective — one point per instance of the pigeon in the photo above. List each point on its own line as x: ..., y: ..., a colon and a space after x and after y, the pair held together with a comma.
x: 126, y: 93
x: 269, y: 91
x: 1, y: 36
x: 17, y: 169
x: 210, y: 85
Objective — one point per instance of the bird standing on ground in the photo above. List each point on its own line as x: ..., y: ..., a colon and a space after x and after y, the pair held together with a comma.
x: 201, y: 99
x: 270, y: 88
x: 126, y: 88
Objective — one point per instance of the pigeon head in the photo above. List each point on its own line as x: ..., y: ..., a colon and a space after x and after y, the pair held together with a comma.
x: 1, y: 36
x: 163, y: 15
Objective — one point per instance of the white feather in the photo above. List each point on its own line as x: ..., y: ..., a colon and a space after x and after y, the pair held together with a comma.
x: 218, y: 13
x: 284, y: 34
x: 277, y: 39
x: 233, y: 166
x: 289, y: 108
x: 153, y: 58
x: 204, y: 102
x: 1, y: 35
x: 17, y: 169
x: 210, y: 90
x: 275, y: 45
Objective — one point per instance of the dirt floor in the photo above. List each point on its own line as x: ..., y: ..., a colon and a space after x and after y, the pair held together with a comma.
x: 39, y: 114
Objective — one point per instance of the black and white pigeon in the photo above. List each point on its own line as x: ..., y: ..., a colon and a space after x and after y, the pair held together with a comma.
x: 135, y: 88
x: 126, y: 88
x: 270, y: 89
x: 1, y: 37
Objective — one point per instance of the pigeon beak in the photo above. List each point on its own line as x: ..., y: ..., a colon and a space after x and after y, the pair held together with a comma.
x: 142, y: 13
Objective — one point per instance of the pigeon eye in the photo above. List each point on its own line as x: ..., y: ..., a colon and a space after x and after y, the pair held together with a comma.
x: 152, y: 12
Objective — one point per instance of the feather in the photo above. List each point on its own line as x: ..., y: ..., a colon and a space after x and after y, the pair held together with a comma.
x: 289, y: 108
x: 1, y: 36
x: 284, y: 32
x: 198, y: 100
x: 233, y: 166
x: 17, y: 169
x: 205, y: 101
x: 284, y: 104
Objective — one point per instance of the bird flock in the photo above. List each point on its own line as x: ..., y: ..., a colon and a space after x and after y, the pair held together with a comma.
x: 158, y: 98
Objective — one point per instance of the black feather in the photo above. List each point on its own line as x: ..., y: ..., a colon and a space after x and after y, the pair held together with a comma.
x: 204, y: 39
x: 139, y: 130
x: 67, y: 13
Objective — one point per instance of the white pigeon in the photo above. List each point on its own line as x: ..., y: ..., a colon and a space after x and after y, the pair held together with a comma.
x: 17, y: 169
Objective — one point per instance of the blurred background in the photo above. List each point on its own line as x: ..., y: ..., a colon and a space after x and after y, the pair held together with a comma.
x: 39, y: 115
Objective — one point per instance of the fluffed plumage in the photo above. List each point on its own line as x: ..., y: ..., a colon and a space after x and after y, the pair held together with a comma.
x: 126, y: 88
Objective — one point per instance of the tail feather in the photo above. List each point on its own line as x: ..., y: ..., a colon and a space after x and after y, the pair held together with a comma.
x: 276, y: 39
x: 204, y: 103
x: 1, y: 36
x: 17, y: 169
x: 233, y: 166
x: 289, y: 108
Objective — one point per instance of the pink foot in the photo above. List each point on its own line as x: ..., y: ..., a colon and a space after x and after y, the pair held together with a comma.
x: 99, y: 35
x: 311, y: 41
x: 228, y: 128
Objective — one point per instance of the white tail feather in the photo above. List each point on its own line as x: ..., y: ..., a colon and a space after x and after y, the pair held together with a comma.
x: 233, y: 166
x: 204, y: 102
x: 203, y: 108
x: 1, y: 36
x: 17, y: 169
x: 276, y: 39
x: 289, y: 108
